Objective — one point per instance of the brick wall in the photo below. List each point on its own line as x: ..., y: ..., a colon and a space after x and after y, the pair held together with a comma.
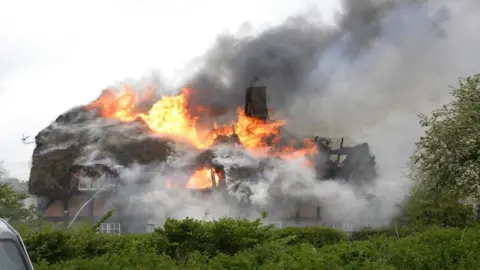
x: 74, y: 204
x: 100, y: 206
x: 55, y: 210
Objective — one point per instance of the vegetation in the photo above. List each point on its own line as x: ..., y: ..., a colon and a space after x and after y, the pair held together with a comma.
x: 438, y: 228
x: 240, y: 244
x: 12, y: 208
x: 446, y: 164
x: 449, y: 153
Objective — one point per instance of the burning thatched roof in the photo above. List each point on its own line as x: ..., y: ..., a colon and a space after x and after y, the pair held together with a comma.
x: 79, y: 137
x: 111, y: 132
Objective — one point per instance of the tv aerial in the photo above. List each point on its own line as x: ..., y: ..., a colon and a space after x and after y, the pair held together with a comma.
x: 25, y: 139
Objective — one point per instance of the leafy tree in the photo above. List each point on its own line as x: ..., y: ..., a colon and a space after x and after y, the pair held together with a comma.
x: 11, y: 202
x: 12, y: 207
x: 448, y: 155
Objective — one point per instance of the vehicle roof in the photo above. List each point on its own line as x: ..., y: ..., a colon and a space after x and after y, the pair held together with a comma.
x: 6, y: 231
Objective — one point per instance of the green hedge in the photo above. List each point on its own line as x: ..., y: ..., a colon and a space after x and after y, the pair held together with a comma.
x: 367, y: 233
x: 240, y: 244
x: 177, y: 239
x: 315, y: 236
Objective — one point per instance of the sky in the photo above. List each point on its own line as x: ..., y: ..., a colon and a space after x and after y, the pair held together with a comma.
x: 58, y: 54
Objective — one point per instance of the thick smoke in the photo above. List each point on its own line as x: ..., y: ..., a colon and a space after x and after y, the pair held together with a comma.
x: 367, y: 78
x: 297, y: 58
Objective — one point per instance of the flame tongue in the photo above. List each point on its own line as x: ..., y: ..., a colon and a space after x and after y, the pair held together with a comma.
x: 203, y: 178
x: 169, y: 117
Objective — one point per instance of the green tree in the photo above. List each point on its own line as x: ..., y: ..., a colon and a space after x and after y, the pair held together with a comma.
x: 448, y: 155
x: 446, y: 164
x: 12, y: 207
x: 11, y: 202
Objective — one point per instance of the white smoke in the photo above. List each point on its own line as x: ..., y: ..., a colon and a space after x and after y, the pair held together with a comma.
x: 144, y: 194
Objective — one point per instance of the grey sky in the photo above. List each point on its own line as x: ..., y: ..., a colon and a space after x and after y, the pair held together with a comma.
x: 58, y: 54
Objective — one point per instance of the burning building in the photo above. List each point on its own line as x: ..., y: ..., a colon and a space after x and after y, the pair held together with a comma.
x: 94, y: 149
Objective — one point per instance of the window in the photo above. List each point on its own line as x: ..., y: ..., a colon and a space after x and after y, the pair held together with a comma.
x: 110, y: 228
x: 82, y: 186
x: 86, y: 185
x: 10, y: 256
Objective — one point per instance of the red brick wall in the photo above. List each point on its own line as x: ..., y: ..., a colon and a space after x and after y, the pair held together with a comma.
x: 289, y: 210
x: 55, y: 210
x: 308, y: 210
x: 75, y: 203
x: 100, y: 206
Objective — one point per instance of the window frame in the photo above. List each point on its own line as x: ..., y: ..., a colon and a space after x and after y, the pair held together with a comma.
x: 92, y: 185
x: 110, y: 228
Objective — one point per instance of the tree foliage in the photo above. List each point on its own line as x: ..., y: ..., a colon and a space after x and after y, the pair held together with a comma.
x: 448, y: 155
x: 12, y: 207
x: 11, y: 202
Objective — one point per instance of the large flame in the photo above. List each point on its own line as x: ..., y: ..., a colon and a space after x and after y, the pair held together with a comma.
x: 170, y: 117
x: 203, y: 178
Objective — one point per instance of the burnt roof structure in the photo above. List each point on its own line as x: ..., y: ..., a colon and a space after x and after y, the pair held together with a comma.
x: 78, y: 135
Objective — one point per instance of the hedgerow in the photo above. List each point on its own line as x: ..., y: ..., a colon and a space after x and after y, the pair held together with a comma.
x: 193, y: 244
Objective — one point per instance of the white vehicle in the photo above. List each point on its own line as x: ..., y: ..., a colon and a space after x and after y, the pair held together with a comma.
x: 13, y: 254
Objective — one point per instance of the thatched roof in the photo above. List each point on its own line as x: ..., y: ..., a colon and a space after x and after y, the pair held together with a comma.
x: 78, y: 137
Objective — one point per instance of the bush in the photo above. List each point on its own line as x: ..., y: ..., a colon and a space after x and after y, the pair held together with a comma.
x: 437, y: 249
x: 315, y: 236
x: 223, y: 236
x: 52, y: 245
x: 240, y: 244
x: 438, y: 210
x: 128, y: 260
x: 367, y: 233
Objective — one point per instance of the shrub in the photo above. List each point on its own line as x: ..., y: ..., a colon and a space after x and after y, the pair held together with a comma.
x: 190, y: 244
x: 315, y: 236
x: 52, y: 245
x: 129, y: 260
x: 366, y: 233
x: 223, y: 236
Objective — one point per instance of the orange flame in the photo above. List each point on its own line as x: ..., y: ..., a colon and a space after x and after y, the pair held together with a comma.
x: 203, y: 178
x: 169, y: 117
